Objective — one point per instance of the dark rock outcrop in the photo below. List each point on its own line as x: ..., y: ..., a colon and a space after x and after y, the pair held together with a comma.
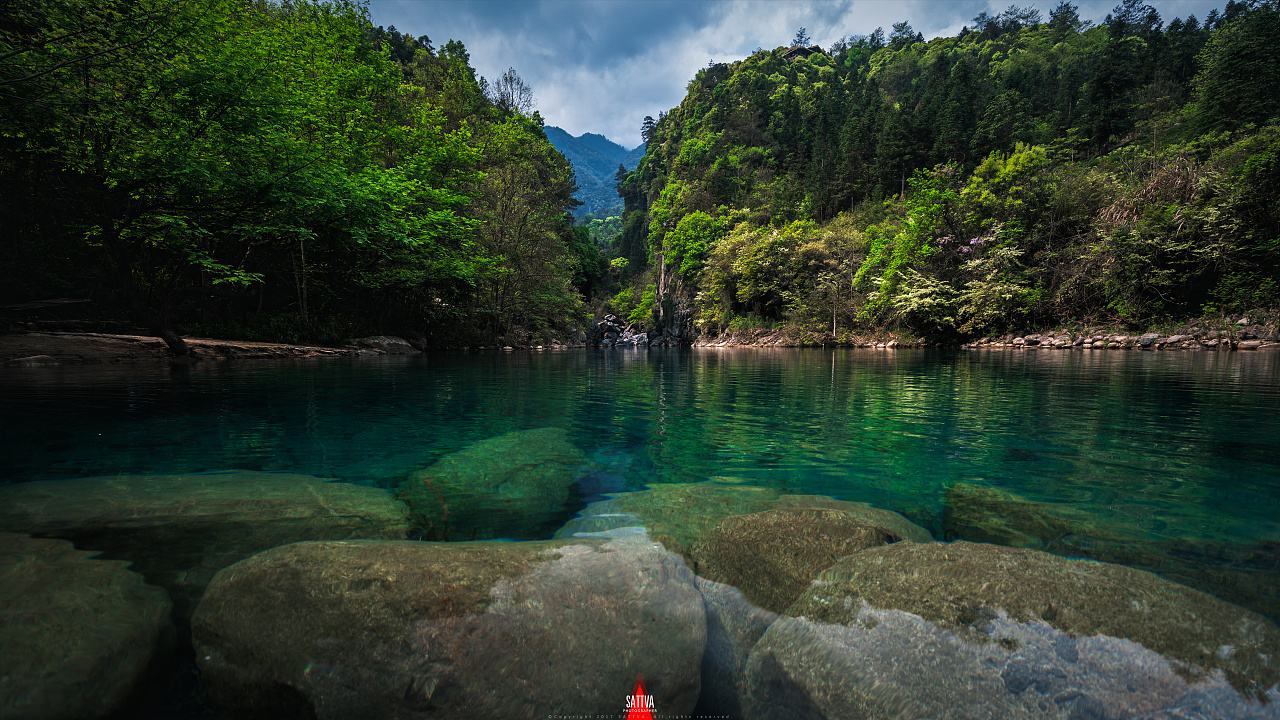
x: 386, y: 345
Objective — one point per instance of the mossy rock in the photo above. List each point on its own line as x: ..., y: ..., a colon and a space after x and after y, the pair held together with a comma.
x: 680, y: 514
x: 178, y: 530
x: 1248, y: 575
x: 987, y: 514
x: 772, y: 556
x: 78, y: 633
x: 450, y: 630
x: 860, y: 512
x: 963, y: 585
x: 675, y: 514
x: 517, y: 485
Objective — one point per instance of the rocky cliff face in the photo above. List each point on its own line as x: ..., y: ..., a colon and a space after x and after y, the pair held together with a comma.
x: 675, y: 311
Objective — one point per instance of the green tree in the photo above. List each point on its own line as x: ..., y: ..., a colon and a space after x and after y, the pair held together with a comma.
x: 1240, y: 71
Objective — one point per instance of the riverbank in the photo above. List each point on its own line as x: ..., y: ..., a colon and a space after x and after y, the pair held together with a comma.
x: 34, y: 349
x: 39, y: 349
x: 1217, y: 334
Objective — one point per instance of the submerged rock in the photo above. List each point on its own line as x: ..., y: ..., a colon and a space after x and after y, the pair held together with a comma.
x: 451, y: 630
x: 859, y: 512
x: 675, y: 514
x: 772, y: 556
x: 178, y: 530
x: 77, y: 633
x: 514, y: 485
x: 1247, y: 575
x: 680, y: 514
x: 968, y: 630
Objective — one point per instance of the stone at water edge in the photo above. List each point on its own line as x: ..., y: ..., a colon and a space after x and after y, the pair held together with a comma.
x: 77, y: 633
x: 514, y: 485
x: 772, y: 556
x: 178, y: 530
x: 388, y: 344
x: 966, y: 629
x: 451, y: 630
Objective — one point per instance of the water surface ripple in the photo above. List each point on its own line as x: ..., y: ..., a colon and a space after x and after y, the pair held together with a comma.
x: 1159, y: 445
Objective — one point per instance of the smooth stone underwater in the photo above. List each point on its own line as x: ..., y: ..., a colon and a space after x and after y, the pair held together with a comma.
x: 451, y: 630
x: 505, y: 486
x: 679, y: 515
x: 1246, y: 575
x: 772, y: 556
x: 77, y: 633
x: 178, y: 530
x: 974, y: 630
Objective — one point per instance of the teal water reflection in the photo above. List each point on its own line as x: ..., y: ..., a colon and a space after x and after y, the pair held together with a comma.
x: 1157, y: 446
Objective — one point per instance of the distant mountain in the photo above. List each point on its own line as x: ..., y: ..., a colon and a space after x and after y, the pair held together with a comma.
x: 595, y: 159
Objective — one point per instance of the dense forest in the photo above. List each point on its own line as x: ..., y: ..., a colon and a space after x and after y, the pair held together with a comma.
x: 279, y: 171
x: 289, y: 171
x: 1027, y: 172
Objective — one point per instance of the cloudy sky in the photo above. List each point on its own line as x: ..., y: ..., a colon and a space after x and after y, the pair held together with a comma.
x: 602, y: 65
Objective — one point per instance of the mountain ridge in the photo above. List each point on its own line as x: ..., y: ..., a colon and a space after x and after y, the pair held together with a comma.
x: 595, y: 159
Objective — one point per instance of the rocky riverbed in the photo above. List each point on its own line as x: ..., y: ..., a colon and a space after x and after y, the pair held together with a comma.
x: 306, y: 597
x: 1219, y: 334
x: 1243, y: 335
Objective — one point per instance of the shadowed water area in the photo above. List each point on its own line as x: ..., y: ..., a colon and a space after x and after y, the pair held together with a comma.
x: 1163, y: 461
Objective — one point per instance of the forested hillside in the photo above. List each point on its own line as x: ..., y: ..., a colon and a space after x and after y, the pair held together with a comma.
x: 595, y: 160
x: 277, y: 171
x: 1029, y: 171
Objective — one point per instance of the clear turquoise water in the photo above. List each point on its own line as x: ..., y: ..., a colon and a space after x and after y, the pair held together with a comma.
x: 1163, y: 445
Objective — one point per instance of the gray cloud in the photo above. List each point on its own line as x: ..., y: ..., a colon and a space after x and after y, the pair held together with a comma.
x: 602, y: 65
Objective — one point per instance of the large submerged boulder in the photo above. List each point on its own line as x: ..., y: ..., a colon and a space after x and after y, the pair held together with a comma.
x: 675, y: 514
x: 1247, y: 575
x: 178, y: 530
x: 77, y: 633
x: 451, y: 630
x: 680, y: 514
x: 969, y: 630
x: 515, y: 485
x: 772, y: 556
